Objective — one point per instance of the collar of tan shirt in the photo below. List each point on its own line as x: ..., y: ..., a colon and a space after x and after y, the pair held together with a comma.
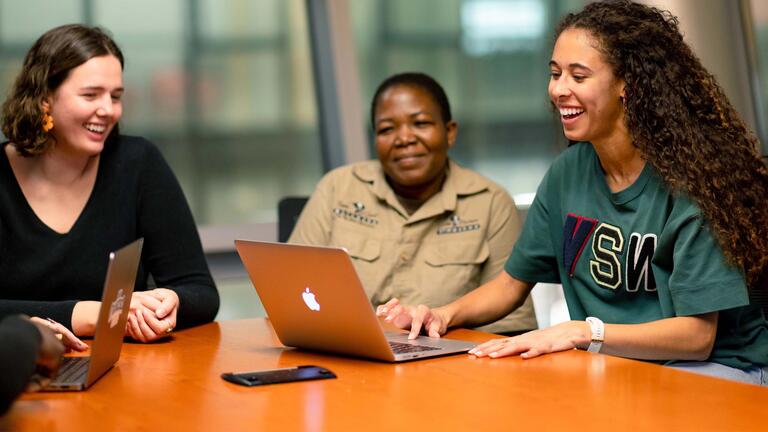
x: 458, y: 182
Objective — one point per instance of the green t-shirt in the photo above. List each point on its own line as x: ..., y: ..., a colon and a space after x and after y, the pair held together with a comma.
x: 635, y: 256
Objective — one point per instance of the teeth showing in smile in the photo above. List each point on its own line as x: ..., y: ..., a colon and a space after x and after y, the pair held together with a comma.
x: 570, y: 112
x: 408, y: 157
x: 95, y: 128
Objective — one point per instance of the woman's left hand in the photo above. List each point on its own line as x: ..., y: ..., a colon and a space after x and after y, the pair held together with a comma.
x: 560, y: 337
x: 153, y: 314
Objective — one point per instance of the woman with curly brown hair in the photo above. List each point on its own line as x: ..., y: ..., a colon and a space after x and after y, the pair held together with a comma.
x: 654, y: 221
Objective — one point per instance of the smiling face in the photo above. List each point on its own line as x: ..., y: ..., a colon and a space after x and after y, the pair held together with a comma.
x: 585, y: 91
x: 87, y: 105
x: 412, y: 140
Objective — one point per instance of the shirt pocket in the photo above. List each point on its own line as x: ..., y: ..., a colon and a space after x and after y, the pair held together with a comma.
x: 457, y: 253
x: 359, y: 246
x: 451, y: 270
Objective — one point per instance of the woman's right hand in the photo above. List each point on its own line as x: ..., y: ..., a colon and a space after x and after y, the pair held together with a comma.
x: 433, y: 321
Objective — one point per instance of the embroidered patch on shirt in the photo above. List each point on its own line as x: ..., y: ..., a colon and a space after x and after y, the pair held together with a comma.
x: 355, y: 212
x: 455, y: 226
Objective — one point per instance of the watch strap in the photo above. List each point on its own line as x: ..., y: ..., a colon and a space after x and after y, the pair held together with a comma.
x: 598, y: 334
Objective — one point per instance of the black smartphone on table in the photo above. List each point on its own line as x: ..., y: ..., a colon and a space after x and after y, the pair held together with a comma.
x: 278, y: 376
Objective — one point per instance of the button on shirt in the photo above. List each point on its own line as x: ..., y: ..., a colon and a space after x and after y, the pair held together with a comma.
x: 456, y: 241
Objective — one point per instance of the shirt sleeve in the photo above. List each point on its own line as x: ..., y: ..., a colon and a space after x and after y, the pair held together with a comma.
x: 59, y: 311
x: 315, y: 222
x: 18, y: 357
x: 701, y: 280
x: 533, y: 258
x: 172, y: 252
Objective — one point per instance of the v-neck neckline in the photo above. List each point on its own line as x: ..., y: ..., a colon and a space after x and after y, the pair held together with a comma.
x: 20, y: 197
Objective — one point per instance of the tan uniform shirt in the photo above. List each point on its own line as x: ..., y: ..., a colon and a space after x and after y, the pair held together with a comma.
x: 457, y: 240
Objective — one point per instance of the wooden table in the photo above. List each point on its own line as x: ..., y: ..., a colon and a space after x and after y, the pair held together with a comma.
x: 176, y: 386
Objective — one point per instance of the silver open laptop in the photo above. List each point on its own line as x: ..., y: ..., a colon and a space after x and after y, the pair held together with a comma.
x: 78, y: 373
x: 315, y: 301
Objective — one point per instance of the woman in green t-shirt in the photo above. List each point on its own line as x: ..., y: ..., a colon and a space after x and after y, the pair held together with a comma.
x: 656, y: 223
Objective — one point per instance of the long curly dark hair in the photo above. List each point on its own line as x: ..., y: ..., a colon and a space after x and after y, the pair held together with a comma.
x: 684, y: 126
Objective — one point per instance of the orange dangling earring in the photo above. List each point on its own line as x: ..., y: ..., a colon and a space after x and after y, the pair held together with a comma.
x: 47, y: 121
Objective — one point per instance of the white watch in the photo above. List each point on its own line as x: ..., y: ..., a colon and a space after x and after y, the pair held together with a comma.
x: 598, y: 334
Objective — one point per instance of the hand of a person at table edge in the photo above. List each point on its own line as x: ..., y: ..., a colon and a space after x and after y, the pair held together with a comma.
x: 560, y: 337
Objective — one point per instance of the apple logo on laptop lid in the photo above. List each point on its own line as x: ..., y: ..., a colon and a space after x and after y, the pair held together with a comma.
x: 310, y: 300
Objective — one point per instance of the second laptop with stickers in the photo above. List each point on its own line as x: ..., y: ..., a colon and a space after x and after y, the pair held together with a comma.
x: 79, y: 373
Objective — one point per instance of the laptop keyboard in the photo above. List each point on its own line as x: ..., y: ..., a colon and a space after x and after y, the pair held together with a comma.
x: 402, y: 348
x: 73, y: 369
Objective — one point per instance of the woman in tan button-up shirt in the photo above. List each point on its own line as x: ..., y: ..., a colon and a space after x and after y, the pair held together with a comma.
x: 418, y: 226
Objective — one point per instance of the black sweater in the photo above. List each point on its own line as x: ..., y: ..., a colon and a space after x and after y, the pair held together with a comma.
x: 44, y: 273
